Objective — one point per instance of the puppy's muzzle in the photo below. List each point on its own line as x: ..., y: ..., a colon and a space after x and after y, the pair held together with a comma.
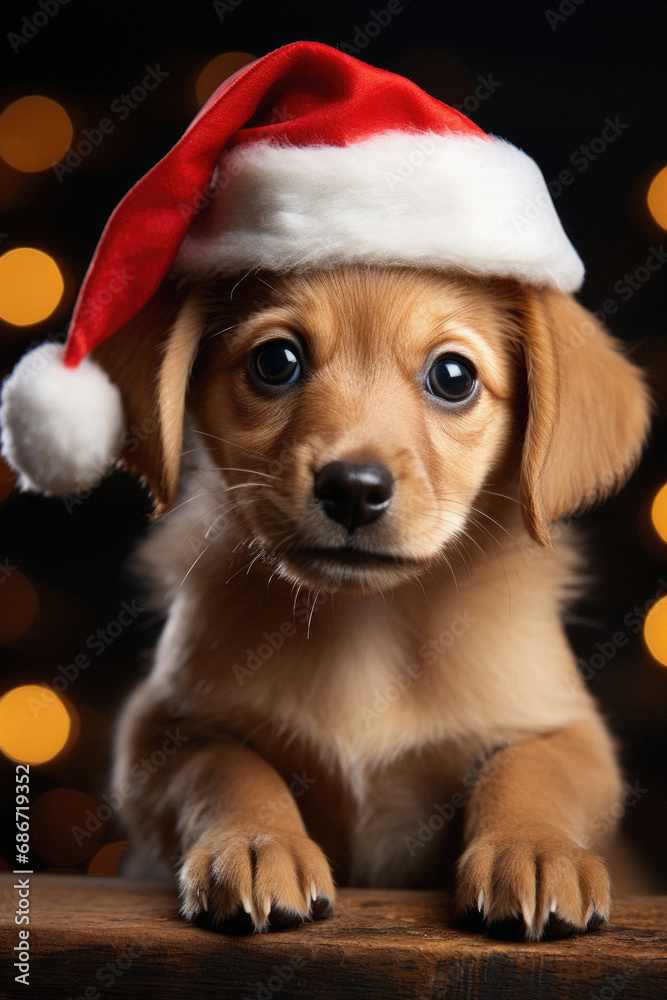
x: 354, y: 493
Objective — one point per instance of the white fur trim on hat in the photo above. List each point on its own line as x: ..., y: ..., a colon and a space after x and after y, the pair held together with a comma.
x: 61, y: 427
x: 398, y: 198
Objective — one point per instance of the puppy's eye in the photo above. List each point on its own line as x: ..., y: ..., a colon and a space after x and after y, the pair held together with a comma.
x: 277, y: 363
x: 451, y: 378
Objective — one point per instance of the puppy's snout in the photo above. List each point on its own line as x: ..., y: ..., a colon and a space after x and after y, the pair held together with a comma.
x: 354, y: 493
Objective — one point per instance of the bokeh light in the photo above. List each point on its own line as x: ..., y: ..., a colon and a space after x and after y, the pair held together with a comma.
x: 34, y: 724
x: 31, y: 286
x: 65, y: 828
x: 108, y: 858
x: 657, y: 198
x: 216, y: 72
x: 659, y: 512
x: 18, y: 603
x: 35, y: 132
x: 655, y: 631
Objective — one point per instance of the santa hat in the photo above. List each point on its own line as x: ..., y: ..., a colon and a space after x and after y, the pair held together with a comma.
x: 305, y: 158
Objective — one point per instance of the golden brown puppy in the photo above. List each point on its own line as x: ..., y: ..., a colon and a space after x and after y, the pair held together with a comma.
x: 364, y: 667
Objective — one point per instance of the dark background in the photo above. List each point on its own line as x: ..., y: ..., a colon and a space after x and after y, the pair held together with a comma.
x: 557, y: 76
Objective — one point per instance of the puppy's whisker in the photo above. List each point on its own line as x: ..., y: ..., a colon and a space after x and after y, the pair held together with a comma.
x: 197, y: 496
x: 246, y: 566
x: 252, y: 563
x: 482, y: 513
x: 230, y: 508
x: 234, y: 444
x: 296, y: 600
x: 254, y: 472
x: 260, y: 278
x: 242, y: 278
x: 312, y: 609
x: 219, y: 333
x: 240, y: 486
x: 492, y: 493
x: 443, y: 556
x: 193, y: 565
x: 499, y: 556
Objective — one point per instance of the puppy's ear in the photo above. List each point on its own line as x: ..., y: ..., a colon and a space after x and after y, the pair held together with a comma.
x: 150, y: 360
x: 588, y: 411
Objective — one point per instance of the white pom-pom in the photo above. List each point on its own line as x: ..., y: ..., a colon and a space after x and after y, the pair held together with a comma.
x: 61, y: 427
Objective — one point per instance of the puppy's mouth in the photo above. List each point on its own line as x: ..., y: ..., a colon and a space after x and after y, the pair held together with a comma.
x: 348, y: 568
x: 347, y: 556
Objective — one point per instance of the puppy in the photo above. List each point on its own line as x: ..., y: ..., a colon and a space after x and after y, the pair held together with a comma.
x: 364, y: 659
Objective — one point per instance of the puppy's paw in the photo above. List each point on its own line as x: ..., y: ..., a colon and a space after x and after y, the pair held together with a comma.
x: 544, y: 884
x: 256, y: 881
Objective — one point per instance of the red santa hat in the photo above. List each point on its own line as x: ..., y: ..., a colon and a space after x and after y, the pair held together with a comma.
x: 305, y: 158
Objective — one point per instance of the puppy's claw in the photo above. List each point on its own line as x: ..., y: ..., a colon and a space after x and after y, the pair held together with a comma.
x: 528, y: 919
x: 202, y: 898
x: 541, y: 886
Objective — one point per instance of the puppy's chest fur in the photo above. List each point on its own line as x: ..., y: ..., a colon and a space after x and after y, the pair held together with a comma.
x: 377, y: 712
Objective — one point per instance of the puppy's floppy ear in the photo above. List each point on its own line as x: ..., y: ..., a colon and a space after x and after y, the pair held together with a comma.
x: 588, y: 411
x: 150, y: 360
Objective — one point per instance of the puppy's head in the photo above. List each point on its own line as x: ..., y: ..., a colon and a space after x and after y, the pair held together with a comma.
x: 361, y: 419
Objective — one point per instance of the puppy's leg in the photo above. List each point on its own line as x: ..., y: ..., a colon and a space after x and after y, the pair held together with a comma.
x: 531, y: 818
x: 229, y: 820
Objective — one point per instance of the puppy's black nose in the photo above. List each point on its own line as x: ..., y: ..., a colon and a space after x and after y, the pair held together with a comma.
x: 354, y: 493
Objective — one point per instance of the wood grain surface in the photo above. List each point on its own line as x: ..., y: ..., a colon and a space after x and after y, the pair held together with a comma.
x: 97, y: 937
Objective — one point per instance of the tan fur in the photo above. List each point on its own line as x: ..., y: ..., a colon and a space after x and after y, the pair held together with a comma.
x: 383, y: 713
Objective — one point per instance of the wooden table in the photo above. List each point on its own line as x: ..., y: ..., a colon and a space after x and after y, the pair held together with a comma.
x: 97, y: 937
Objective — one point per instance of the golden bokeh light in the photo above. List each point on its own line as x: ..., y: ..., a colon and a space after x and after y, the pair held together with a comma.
x: 655, y: 631
x: 34, y: 724
x: 657, y: 198
x: 216, y: 72
x: 35, y: 132
x: 65, y: 828
x: 659, y: 512
x: 18, y: 603
x: 108, y: 858
x: 31, y: 286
